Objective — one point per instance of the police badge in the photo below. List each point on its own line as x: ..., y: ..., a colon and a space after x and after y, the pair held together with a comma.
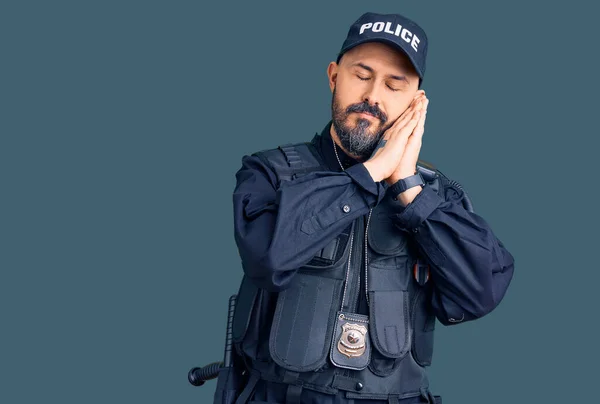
x: 350, y: 347
x: 352, y: 341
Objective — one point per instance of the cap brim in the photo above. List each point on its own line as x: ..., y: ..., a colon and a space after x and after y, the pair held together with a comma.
x: 388, y: 42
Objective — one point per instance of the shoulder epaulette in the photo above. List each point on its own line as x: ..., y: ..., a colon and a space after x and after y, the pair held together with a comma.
x: 292, y: 160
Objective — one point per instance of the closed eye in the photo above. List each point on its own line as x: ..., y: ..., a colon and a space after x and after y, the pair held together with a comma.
x: 368, y: 78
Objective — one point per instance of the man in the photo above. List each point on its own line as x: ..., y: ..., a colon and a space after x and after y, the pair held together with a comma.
x: 352, y: 247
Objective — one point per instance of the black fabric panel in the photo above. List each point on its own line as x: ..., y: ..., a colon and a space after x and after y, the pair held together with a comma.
x: 424, y: 327
x: 329, y: 251
x: 246, y: 297
x: 302, y: 329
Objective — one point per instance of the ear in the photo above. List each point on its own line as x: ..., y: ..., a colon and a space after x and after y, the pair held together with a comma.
x: 332, y: 71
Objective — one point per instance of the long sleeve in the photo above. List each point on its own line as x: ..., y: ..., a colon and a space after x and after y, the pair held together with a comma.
x: 469, y: 266
x: 279, y: 229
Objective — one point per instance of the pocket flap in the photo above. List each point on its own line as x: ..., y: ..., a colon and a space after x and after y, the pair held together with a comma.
x: 389, y: 319
x: 384, y: 237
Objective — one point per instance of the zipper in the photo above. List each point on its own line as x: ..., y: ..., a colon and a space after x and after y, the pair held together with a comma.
x: 347, y: 270
x: 367, y: 258
x: 356, y: 289
x: 353, y: 276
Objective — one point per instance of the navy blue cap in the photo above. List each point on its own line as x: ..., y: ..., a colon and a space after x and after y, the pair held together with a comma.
x: 392, y: 29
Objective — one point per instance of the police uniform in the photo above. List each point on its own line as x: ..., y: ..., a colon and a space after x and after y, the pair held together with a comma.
x: 342, y: 284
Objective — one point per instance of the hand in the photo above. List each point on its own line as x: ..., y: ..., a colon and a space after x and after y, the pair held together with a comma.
x: 410, y: 156
x: 408, y: 162
x: 387, y: 156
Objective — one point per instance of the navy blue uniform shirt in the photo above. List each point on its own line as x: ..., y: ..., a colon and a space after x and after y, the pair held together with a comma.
x: 470, y: 268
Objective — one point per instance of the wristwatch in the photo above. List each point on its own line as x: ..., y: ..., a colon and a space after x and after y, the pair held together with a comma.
x: 406, y: 183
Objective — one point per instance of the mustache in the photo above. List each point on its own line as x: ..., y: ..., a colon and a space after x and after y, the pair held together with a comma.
x: 369, y: 109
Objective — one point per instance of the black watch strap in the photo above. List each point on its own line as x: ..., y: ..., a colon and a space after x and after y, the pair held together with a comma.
x: 406, y: 183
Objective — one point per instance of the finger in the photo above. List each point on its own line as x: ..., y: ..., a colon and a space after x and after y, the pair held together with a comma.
x: 416, y: 105
x: 420, y: 128
x: 406, y: 112
x: 424, y: 109
x: 400, y: 122
x: 417, y: 102
x: 411, y: 150
x: 406, y: 125
x: 397, y: 138
x: 412, y: 106
x: 410, y: 125
x: 413, y: 144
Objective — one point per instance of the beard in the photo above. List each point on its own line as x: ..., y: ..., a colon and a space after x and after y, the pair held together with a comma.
x: 360, y: 139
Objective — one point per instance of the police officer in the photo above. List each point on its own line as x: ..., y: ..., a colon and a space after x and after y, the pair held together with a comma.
x: 352, y: 247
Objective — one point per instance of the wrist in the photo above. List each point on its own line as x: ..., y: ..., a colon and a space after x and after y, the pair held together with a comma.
x: 394, y: 178
x: 406, y: 197
x: 375, y: 175
x: 407, y: 187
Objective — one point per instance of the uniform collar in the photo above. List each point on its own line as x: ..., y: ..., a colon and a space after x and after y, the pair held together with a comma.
x: 324, y: 143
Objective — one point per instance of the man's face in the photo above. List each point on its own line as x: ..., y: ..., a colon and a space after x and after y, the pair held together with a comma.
x: 373, y: 84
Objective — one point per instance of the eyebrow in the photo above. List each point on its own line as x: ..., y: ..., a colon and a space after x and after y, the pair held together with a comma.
x: 369, y: 68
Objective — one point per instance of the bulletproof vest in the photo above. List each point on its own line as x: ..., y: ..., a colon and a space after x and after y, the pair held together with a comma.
x: 314, y: 338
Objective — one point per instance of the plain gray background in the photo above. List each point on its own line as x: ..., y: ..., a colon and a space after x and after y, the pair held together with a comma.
x: 123, y: 124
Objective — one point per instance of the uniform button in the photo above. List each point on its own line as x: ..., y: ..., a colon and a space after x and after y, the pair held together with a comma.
x: 346, y: 208
x: 359, y: 386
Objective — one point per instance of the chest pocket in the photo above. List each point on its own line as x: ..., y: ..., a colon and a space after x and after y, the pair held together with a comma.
x: 388, y: 244
x: 388, y: 286
x: 302, y: 325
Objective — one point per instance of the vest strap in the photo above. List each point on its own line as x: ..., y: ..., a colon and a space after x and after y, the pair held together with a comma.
x: 294, y: 391
x: 293, y: 394
x: 245, y: 394
x: 428, y: 395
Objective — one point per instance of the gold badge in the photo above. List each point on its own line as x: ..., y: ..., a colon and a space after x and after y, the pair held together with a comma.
x: 352, y: 341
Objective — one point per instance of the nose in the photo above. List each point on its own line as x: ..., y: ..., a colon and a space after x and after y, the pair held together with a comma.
x: 371, y: 94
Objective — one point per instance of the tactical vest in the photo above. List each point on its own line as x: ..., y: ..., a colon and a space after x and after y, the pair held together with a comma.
x: 314, y: 339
